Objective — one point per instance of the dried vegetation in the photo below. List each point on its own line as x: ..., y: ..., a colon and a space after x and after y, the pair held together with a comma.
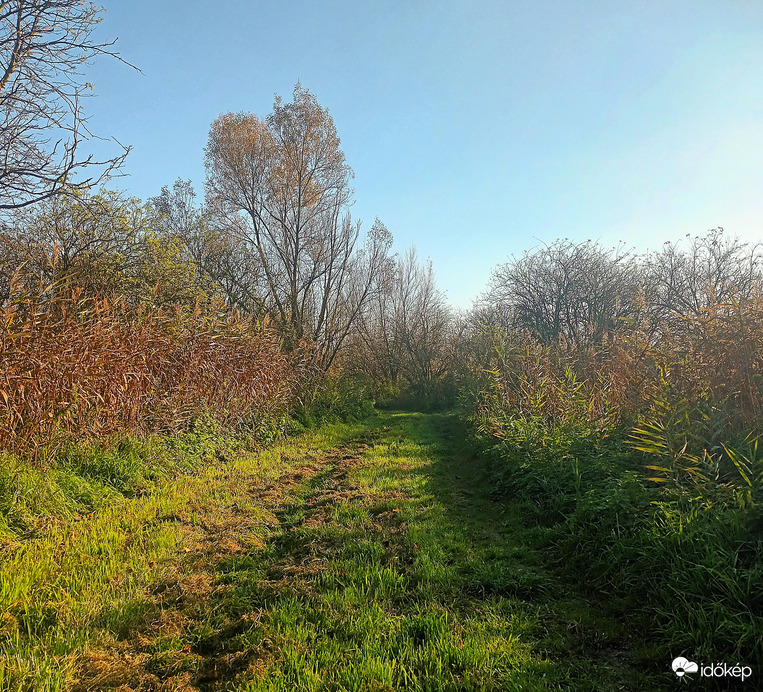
x: 74, y: 368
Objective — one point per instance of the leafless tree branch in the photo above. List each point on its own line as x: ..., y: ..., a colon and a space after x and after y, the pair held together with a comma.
x: 45, y: 45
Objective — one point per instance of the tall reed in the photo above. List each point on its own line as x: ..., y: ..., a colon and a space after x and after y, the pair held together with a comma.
x: 89, y: 367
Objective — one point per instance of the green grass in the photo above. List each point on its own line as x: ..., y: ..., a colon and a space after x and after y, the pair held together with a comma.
x: 73, y: 580
x: 357, y: 557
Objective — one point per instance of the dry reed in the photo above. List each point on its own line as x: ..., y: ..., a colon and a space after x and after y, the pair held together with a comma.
x: 91, y: 367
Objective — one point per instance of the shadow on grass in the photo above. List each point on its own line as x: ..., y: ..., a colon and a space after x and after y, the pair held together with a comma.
x: 387, y: 566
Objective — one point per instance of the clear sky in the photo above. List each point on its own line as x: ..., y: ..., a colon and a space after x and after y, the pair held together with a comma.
x: 477, y: 128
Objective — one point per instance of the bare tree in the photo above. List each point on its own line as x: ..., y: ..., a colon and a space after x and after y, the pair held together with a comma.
x: 403, y: 339
x: 222, y: 261
x: 284, y: 185
x: 713, y: 269
x: 364, y: 283
x: 572, y: 290
x: 44, y: 46
x: 422, y: 321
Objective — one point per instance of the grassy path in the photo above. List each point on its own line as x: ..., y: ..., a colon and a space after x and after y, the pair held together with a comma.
x: 372, y: 559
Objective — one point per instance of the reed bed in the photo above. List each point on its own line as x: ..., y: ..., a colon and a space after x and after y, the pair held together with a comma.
x: 639, y: 458
x: 88, y: 367
x: 691, y: 384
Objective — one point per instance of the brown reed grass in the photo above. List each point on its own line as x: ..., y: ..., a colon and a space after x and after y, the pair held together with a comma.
x: 90, y: 367
x: 690, y: 388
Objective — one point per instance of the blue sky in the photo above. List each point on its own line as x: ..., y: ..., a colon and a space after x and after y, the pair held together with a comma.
x: 476, y: 129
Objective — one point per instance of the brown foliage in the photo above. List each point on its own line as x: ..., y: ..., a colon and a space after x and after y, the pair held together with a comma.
x: 717, y: 356
x: 282, y: 185
x: 90, y: 367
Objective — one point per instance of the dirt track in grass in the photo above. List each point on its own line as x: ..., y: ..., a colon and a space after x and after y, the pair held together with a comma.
x: 380, y: 564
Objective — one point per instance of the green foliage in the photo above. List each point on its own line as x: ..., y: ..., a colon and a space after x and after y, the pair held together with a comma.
x: 698, y: 449
x: 438, y: 394
x: 689, y: 575
x: 682, y: 566
x: 346, y: 398
x: 98, y: 244
x: 640, y: 460
x: 164, y: 275
x: 539, y: 407
x: 665, y: 555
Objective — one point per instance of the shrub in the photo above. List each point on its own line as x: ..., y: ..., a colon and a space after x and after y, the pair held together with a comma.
x: 641, y: 453
x: 336, y: 397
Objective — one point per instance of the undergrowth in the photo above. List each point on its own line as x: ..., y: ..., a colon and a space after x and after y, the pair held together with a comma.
x: 645, y: 482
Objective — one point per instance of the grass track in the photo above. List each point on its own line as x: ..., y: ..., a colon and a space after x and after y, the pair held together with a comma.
x: 367, y: 558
